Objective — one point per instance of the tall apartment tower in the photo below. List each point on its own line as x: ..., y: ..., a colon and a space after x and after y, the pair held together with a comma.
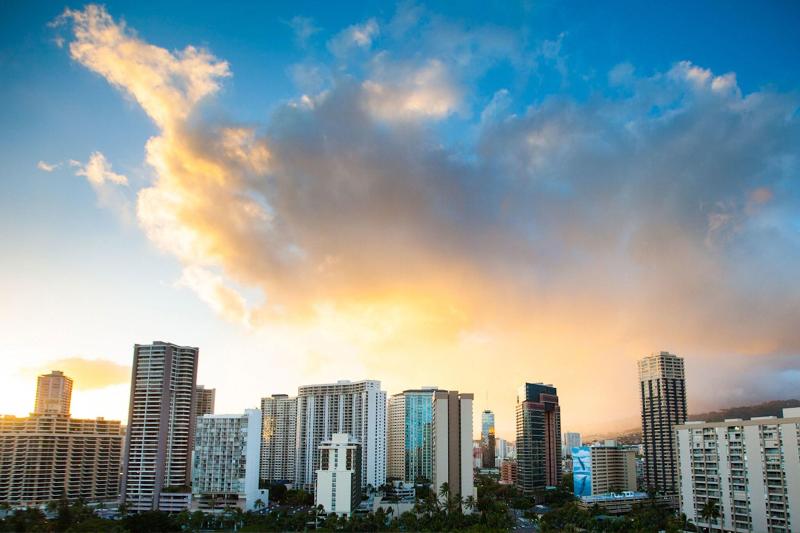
x: 161, y: 423
x: 278, y: 438
x: 538, y: 438
x: 226, y: 462
x: 452, y: 443
x: 749, y: 468
x: 204, y: 398
x: 662, y: 389
x: 53, y: 394
x: 357, y: 408
x: 487, y: 439
x: 409, y: 438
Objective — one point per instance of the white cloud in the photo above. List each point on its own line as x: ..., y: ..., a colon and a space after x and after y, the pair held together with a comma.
x: 47, y: 167
x: 357, y: 36
x: 106, y: 183
x: 98, y: 171
x: 425, y: 92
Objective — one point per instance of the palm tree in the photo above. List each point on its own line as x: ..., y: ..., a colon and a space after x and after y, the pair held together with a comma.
x: 470, y: 503
x: 710, y: 512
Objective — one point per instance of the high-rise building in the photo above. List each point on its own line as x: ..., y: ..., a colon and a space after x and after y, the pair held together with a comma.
x: 356, y: 408
x: 44, y: 458
x: 603, y: 468
x: 338, y: 487
x: 279, y: 438
x: 452, y: 443
x: 53, y: 394
x: 48, y: 455
x: 538, y: 438
x: 225, y: 462
x: 204, y: 398
x: 569, y: 441
x: 749, y: 469
x: 409, y: 440
x: 487, y: 439
x: 662, y: 389
x: 161, y: 424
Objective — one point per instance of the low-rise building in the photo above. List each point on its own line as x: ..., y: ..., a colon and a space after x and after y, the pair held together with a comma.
x: 614, y: 503
x: 508, y: 472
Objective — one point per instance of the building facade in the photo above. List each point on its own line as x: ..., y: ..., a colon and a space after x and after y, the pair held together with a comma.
x: 204, y: 398
x: 452, y: 443
x: 508, y: 472
x: 538, y: 417
x: 279, y: 438
x: 161, y: 424
x: 44, y: 458
x: 662, y: 392
x: 338, y: 487
x: 487, y: 439
x: 569, y: 441
x: 53, y: 394
x: 355, y: 408
x: 603, y: 468
x: 749, y: 469
x: 409, y: 438
x: 225, y: 462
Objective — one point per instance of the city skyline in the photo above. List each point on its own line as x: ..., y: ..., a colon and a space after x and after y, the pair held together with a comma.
x: 411, y: 194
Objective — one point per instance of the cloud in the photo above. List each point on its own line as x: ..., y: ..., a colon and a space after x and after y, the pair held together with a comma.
x: 571, y: 232
x: 98, y: 171
x: 47, y: 167
x: 166, y: 84
x: 303, y: 28
x: 88, y: 374
x: 426, y: 92
x: 357, y: 36
x: 106, y: 184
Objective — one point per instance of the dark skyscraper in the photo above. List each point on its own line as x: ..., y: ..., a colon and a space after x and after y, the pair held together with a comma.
x: 538, y: 438
x: 487, y: 439
x: 662, y: 388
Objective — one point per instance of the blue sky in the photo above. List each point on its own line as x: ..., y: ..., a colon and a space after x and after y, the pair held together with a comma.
x: 415, y: 181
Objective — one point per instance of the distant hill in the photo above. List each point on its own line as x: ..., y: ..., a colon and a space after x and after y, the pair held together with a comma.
x: 773, y: 408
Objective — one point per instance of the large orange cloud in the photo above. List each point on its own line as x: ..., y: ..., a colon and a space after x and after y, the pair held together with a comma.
x: 568, y: 241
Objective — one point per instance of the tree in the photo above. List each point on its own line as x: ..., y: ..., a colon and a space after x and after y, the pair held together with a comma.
x: 710, y: 512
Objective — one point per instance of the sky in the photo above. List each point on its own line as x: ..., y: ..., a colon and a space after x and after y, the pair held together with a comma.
x: 423, y: 194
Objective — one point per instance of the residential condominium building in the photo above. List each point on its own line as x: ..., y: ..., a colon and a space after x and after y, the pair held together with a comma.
x: 53, y: 394
x: 538, y: 438
x: 750, y: 469
x: 409, y: 439
x: 278, y: 438
x: 338, y: 487
x: 603, y: 468
x: 45, y: 458
x: 225, y: 462
x: 356, y: 408
x: 204, y: 398
x: 161, y: 424
x: 662, y: 392
x: 487, y: 439
x: 452, y: 443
